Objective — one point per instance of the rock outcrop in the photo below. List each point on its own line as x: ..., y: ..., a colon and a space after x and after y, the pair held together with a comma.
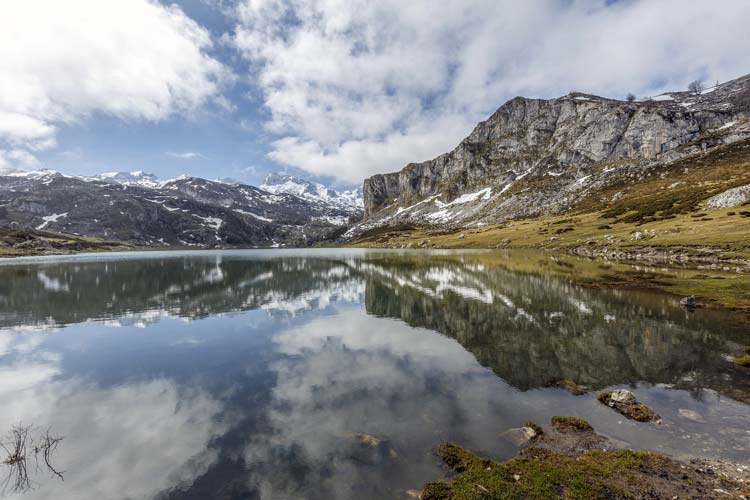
x: 730, y: 198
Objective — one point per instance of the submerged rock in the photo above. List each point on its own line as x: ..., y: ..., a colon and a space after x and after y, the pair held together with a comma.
x: 369, y: 449
x: 624, y: 402
x: 691, y: 415
x: 521, y: 436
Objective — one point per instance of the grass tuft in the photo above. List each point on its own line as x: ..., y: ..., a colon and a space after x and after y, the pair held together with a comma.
x: 564, y: 424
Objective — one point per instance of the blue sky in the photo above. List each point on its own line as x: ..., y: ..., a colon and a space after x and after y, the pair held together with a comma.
x: 327, y: 89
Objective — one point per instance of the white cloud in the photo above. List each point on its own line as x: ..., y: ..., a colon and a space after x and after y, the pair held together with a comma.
x: 187, y: 155
x: 359, y: 87
x: 17, y: 159
x: 62, y: 62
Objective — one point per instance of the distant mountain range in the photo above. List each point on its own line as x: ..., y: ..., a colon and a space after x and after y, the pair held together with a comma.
x: 138, y: 208
x: 281, y: 183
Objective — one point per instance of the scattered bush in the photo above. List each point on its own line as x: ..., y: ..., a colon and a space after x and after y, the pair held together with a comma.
x: 696, y: 86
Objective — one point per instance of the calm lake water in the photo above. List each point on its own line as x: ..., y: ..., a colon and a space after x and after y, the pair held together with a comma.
x: 332, y: 374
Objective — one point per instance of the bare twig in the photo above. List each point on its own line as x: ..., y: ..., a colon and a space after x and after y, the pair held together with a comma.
x: 17, y: 447
x: 46, y: 447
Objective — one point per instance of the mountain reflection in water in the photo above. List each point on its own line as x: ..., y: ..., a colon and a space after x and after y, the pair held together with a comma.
x: 332, y: 374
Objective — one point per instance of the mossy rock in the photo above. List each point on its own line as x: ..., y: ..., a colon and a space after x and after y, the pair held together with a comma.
x: 567, y: 424
x: 630, y: 407
x: 743, y: 361
x: 641, y: 413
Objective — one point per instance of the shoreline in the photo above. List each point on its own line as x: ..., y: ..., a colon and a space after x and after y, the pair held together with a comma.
x: 569, y: 459
x: 716, y: 280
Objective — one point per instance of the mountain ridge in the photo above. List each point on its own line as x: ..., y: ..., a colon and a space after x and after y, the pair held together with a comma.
x: 283, y: 183
x: 543, y: 156
x: 138, y: 208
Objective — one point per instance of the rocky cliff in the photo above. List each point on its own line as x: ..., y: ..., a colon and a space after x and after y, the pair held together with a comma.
x: 536, y: 156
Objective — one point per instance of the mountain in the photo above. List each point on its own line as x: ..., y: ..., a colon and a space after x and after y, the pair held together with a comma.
x: 281, y: 183
x: 536, y: 156
x: 137, y: 178
x: 138, y: 208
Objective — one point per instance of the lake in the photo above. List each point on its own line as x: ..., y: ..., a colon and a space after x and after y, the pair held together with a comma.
x: 332, y: 374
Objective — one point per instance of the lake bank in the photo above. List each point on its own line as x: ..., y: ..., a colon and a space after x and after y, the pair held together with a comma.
x: 574, y: 461
x: 718, y: 279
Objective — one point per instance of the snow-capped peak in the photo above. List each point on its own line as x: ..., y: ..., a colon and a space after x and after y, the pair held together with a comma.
x: 32, y: 174
x: 282, y: 183
x: 136, y: 178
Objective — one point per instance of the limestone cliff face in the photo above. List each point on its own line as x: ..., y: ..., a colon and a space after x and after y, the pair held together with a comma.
x: 555, y: 148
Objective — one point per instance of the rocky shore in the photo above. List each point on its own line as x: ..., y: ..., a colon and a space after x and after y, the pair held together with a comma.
x: 569, y: 459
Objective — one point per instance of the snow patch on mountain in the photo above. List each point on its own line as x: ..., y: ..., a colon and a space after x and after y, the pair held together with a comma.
x: 29, y: 174
x: 51, y: 218
x: 281, y: 183
x: 136, y: 178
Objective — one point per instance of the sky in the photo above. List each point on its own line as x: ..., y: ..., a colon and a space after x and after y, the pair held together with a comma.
x: 330, y: 90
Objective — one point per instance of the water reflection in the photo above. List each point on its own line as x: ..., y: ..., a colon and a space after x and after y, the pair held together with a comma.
x: 332, y: 374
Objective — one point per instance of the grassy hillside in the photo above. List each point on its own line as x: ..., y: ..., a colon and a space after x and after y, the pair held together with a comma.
x: 664, y: 210
x: 724, y: 233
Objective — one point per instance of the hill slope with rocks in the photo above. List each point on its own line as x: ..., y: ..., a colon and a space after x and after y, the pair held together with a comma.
x: 537, y: 157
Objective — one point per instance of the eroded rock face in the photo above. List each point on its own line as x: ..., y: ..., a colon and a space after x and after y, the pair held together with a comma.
x: 539, y: 155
